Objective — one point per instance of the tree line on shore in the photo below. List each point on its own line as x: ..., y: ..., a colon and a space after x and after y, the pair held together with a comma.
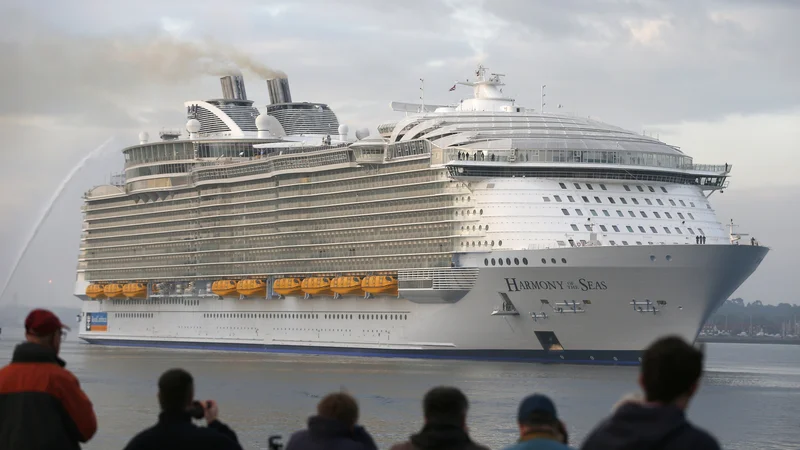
x: 736, y: 317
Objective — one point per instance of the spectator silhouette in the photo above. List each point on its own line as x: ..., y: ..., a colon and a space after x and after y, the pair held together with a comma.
x: 670, y: 373
x: 333, y: 428
x: 445, y: 411
x: 539, y: 425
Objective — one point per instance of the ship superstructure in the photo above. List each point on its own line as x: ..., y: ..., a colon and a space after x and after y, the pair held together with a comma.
x: 481, y: 229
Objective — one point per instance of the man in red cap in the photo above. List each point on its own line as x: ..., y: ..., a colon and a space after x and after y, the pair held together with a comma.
x: 42, y: 405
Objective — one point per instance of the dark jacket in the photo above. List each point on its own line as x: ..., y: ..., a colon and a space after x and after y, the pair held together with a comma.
x: 42, y: 405
x: 330, y: 434
x: 175, y: 431
x: 439, y: 437
x: 648, y: 427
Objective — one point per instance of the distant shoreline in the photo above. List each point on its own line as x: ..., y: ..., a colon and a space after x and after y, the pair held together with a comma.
x: 746, y: 340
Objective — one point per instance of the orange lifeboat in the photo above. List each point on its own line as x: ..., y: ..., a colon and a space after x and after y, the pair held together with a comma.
x: 95, y: 291
x: 224, y: 288
x: 135, y: 290
x: 317, y: 286
x: 379, y: 284
x: 287, y: 286
x: 347, y: 286
x: 252, y: 288
x: 113, y: 290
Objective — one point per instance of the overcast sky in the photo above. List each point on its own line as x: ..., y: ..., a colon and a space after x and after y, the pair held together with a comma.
x: 719, y: 78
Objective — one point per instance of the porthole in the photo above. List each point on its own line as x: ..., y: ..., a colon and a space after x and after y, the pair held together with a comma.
x: 564, y: 260
x: 500, y: 243
x: 669, y: 257
x: 493, y: 261
x: 652, y: 258
x: 481, y: 212
x: 508, y: 261
x: 492, y: 243
x: 500, y: 261
x: 486, y: 262
x: 544, y: 261
x: 516, y: 261
x: 553, y: 260
x: 525, y: 261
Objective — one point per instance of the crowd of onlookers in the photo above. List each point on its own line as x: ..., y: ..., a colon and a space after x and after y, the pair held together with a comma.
x: 43, y: 407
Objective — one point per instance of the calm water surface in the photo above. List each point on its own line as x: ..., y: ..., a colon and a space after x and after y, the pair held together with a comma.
x: 750, y: 397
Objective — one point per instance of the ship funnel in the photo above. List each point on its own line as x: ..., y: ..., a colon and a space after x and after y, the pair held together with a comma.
x: 279, y: 91
x: 233, y: 87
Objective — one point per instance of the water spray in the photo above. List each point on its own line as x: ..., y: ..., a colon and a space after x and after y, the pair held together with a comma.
x: 46, y: 212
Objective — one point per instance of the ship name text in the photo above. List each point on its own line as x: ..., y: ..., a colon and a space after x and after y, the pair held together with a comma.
x: 515, y: 285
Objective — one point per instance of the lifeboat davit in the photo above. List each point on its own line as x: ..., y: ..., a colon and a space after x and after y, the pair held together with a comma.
x: 95, y: 291
x: 252, y: 288
x: 317, y: 286
x: 135, y: 290
x: 287, y: 286
x: 224, y: 288
x: 113, y: 290
x: 347, y: 286
x: 379, y: 284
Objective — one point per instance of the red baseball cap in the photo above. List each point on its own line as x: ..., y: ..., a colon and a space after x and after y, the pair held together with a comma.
x: 43, y: 322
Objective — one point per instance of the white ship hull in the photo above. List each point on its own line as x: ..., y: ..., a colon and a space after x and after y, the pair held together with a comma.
x: 625, y: 297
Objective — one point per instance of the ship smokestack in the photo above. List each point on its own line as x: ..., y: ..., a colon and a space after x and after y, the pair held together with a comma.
x: 279, y: 90
x: 233, y: 87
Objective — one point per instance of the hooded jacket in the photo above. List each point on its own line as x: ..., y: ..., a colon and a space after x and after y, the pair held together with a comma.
x: 330, y: 434
x: 648, y: 427
x: 42, y: 405
x: 435, y: 436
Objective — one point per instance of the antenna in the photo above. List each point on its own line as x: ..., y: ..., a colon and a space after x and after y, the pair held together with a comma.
x: 422, y: 95
x: 543, y: 94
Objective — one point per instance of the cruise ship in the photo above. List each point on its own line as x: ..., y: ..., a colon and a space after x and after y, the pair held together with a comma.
x: 477, y: 230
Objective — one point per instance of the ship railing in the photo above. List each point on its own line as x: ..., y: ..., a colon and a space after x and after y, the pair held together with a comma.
x: 615, y: 157
x: 455, y: 278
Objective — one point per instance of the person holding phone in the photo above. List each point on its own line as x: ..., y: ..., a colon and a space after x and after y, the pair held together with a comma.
x: 175, y: 430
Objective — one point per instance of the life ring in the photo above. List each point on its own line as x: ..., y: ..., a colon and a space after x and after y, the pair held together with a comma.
x: 579, y: 244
